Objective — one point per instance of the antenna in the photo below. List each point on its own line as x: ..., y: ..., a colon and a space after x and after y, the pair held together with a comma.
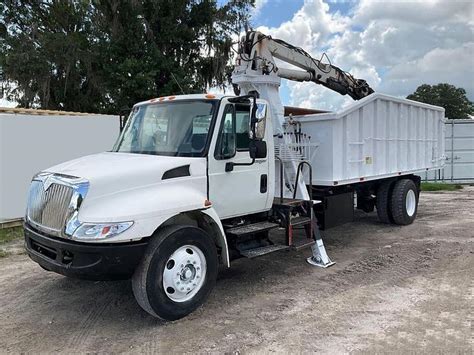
x: 182, y: 91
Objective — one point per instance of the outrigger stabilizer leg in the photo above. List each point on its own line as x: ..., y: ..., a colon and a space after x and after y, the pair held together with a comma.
x: 320, y: 257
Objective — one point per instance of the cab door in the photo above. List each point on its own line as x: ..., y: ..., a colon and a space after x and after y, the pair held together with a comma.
x: 245, y: 188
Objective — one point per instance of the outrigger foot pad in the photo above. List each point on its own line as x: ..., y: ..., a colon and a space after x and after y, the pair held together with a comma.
x: 319, y: 257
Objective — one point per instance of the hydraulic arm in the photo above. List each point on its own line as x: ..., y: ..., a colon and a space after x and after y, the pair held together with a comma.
x: 257, y: 52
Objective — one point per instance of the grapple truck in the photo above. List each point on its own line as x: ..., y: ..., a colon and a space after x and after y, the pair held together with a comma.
x: 195, y: 181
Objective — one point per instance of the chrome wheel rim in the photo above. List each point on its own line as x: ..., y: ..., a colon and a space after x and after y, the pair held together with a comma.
x: 410, y: 202
x: 184, y: 273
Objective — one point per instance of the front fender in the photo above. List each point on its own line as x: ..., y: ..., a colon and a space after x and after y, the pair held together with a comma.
x: 148, y: 206
x: 211, y: 212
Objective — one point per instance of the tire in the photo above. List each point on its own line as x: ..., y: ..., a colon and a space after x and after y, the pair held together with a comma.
x: 383, y: 202
x: 404, y: 202
x: 183, y: 255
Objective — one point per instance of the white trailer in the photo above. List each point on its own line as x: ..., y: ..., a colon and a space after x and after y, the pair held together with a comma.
x: 195, y: 181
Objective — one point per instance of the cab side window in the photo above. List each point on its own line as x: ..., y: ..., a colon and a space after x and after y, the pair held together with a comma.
x: 234, y: 131
x: 226, y: 147
x: 242, y: 118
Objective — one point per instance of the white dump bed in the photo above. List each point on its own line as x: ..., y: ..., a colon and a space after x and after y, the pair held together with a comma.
x: 376, y: 137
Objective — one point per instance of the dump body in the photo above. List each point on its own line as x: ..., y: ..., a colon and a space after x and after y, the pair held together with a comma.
x: 379, y: 136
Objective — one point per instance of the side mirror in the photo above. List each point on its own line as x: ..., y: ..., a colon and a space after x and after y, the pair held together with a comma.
x: 258, y: 114
x: 258, y: 149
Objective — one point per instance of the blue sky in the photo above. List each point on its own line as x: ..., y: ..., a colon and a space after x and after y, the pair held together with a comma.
x: 396, y: 45
x: 275, y: 12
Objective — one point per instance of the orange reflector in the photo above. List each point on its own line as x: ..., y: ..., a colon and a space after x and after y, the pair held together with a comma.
x: 207, y: 203
x: 171, y: 97
x: 210, y: 96
x: 153, y: 100
x: 161, y: 98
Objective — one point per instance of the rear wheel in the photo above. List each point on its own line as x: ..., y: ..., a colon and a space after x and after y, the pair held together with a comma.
x: 383, y: 202
x: 177, y: 273
x: 404, y: 202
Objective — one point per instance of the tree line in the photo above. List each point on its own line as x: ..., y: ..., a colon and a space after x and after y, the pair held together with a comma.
x: 106, y: 55
x: 102, y: 56
x: 453, y: 99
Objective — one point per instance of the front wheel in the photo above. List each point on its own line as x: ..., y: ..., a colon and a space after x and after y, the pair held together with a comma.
x: 177, y: 273
x: 404, y: 202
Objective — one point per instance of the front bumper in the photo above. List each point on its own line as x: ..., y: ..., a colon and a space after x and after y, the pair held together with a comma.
x: 84, y: 261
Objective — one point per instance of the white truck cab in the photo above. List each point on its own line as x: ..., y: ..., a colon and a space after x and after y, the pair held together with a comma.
x: 179, y: 161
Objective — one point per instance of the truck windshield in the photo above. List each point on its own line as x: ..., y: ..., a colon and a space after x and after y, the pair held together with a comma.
x: 178, y: 128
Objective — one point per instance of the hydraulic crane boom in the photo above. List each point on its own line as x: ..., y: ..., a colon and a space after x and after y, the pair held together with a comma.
x: 257, y: 52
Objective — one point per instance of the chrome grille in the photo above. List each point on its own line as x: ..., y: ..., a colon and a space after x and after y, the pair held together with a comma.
x: 48, y: 209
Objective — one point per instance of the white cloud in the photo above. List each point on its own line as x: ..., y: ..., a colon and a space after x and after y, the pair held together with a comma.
x: 454, y: 66
x: 416, y: 42
x: 394, y: 45
x: 425, y: 12
x: 310, y: 27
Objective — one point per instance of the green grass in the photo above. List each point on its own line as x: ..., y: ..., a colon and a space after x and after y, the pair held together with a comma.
x: 9, y: 234
x: 438, y: 186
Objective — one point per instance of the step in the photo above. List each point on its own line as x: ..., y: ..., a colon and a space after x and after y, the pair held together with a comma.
x: 252, y: 228
x: 253, y: 253
x: 299, y: 221
x: 302, y: 243
x: 288, y: 202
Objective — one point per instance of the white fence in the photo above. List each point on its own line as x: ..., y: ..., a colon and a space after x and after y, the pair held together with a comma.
x: 459, y: 154
x: 33, y: 140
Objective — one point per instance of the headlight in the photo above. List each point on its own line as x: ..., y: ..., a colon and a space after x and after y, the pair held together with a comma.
x: 101, y: 230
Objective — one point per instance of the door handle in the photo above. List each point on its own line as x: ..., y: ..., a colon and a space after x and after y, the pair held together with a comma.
x: 263, y: 183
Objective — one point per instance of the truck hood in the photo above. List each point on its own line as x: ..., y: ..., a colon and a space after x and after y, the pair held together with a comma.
x: 112, y: 173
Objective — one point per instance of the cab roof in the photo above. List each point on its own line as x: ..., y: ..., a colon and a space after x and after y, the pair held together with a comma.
x: 182, y: 97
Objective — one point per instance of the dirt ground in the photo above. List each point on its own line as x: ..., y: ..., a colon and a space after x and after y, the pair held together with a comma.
x: 393, y: 289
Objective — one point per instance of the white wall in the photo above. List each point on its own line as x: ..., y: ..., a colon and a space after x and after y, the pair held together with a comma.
x: 31, y: 143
